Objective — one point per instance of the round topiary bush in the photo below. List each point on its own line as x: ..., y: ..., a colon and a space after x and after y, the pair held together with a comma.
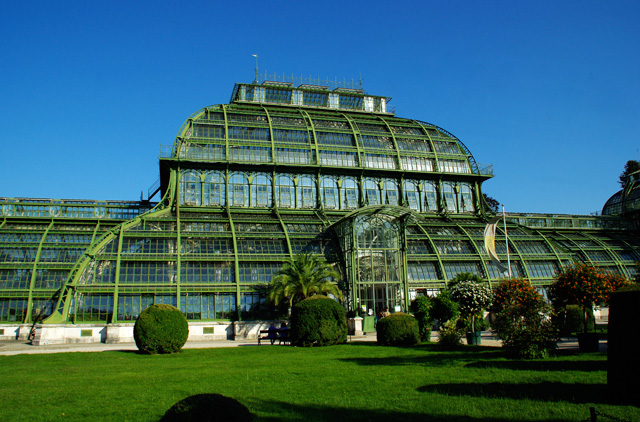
x: 398, y: 329
x: 161, y: 329
x: 207, y: 408
x: 318, y: 321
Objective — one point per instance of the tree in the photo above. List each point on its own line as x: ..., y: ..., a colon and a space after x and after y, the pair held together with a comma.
x: 465, y: 276
x: 583, y: 285
x: 522, y: 320
x: 472, y: 297
x: 303, y: 276
x: 631, y: 167
x: 492, y: 203
x: 514, y: 293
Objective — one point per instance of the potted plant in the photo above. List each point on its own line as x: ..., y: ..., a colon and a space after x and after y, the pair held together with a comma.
x: 472, y: 298
x: 585, y: 286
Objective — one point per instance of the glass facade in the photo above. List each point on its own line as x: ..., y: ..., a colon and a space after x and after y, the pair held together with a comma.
x: 395, y: 204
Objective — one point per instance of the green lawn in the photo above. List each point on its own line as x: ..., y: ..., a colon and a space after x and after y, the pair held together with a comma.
x: 352, y: 382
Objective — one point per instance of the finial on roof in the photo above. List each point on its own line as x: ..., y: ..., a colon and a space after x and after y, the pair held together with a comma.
x: 255, y: 81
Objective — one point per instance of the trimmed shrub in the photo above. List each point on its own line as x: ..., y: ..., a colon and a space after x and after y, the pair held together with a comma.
x: 420, y: 307
x: 161, y: 329
x: 318, y: 321
x: 207, y: 408
x: 443, y: 308
x: 623, y: 370
x: 398, y: 329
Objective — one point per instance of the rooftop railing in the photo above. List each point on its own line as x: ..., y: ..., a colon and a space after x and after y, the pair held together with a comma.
x: 568, y: 221
x: 72, y: 208
x: 485, y: 169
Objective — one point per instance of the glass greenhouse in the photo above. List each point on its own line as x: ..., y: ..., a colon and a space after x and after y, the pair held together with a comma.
x: 395, y: 203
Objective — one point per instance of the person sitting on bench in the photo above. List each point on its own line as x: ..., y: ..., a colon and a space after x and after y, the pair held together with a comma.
x: 272, y: 335
x: 284, y: 333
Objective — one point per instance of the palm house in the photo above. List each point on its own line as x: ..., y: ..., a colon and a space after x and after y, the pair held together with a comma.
x: 395, y: 204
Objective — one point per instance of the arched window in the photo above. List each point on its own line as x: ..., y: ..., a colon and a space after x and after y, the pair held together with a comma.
x: 371, y: 190
x: 239, y: 190
x: 191, y: 194
x: 214, y: 190
x: 349, y: 194
x: 430, y: 197
x: 465, y: 197
x: 449, y: 195
x: 329, y: 192
x: 261, y: 190
x: 390, y: 192
x: 285, y: 192
x: 412, y: 194
x: 306, y: 192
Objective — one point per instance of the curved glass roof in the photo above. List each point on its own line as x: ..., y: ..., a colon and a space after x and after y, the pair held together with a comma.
x: 625, y: 202
x: 248, y: 133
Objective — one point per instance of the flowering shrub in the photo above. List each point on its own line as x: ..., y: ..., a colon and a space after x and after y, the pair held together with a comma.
x: 583, y: 285
x: 522, y: 320
x: 472, y: 297
x: 514, y: 293
x: 450, y: 335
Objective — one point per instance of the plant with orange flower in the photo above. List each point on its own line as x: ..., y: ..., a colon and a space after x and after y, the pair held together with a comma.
x: 514, y: 293
x: 583, y: 285
x: 522, y: 320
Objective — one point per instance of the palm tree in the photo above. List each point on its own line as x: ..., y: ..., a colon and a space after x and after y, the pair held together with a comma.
x: 303, y: 276
x: 465, y: 276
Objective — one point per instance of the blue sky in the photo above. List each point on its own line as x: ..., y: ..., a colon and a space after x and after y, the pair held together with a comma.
x: 547, y: 92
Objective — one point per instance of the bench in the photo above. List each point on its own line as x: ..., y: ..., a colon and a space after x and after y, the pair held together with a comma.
x: 280, y: 334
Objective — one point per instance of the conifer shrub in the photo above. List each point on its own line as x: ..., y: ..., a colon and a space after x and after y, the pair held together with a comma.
x: 207, y: 408
x: 398, y: 329
x: 160, y: 329
x: 570, y: 319
x: 318, y: 321
x: 421, y: 307
x: 443, y: 308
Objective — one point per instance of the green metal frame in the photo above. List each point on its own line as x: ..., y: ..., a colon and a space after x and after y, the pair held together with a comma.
x: 258, y: 238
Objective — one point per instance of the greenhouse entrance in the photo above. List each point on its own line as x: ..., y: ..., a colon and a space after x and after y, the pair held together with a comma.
x: 372, y: 247
x: 379, y: 296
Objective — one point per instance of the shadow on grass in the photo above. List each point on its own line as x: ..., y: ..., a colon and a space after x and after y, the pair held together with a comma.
x: 428, y: 354
x: 295, y: 412
x: 543, y: 391
x: 542, y: 365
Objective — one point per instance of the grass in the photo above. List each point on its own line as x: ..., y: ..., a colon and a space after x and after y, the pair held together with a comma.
x: 352, y: 382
